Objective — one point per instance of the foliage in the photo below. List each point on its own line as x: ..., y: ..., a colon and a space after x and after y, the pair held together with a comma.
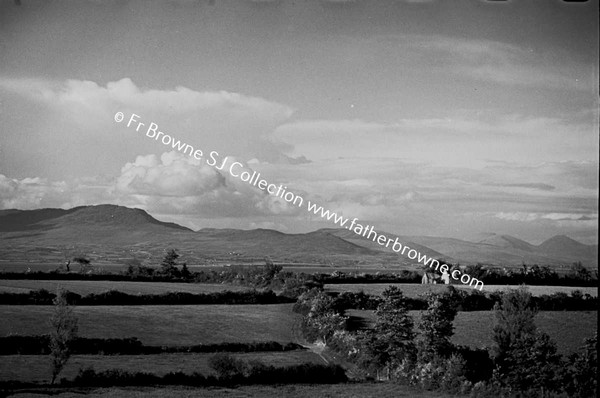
x: 321, y: 318
x: 525, y: 357
x: 168, y: 265
x: 235, y: 372
x: 114, y: 297
x: 227, y: 366
x: 392, y: 338
x: 63, y: 331
x: 436, y: 327
x: 582, y: 372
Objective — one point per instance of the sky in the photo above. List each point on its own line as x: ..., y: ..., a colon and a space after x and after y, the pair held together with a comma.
x: 436, y: 118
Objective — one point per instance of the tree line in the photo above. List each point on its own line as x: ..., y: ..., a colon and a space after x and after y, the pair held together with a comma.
x: 523, y: 361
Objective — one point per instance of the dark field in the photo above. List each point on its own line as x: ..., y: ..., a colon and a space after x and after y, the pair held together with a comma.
x: 163, y: 325
x: 349, y: 390
x: 37, y: 367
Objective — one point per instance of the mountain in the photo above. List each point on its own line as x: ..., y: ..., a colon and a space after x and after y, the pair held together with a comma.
x: 103, y: 216
x: 508, y: 242
x: 363, y: 241
x: 111, y: 234
x: 561, y: 245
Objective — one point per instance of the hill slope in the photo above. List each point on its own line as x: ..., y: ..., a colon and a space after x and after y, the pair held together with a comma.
x: 112, y: 234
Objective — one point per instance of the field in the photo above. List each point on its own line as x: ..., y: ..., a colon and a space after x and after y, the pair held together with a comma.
x: 348, y: 390
x: 474, y: 329
x: 163, y: 325
x: 413, y: 290
x: 87, y: 287
x: 112, y: 266
x: 37, y: 367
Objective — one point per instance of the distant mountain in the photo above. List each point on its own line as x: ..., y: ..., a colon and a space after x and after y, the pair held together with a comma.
x: 561, y: 245
x: 363, y: 241
x: 98, y: 216
x: 112, y: 234
x: 508, y: 242
x: 506, y: 250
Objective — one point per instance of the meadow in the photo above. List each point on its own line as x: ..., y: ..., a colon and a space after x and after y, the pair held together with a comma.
x: 346, y: 390
x: 36, y: 368
x: 163, y: 325
x: 413, y: 290
x: 567, y: 328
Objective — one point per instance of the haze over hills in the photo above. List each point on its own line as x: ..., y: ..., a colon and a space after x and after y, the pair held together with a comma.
x: 113, y: 234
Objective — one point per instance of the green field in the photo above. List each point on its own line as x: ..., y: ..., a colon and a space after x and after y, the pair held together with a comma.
x: 87, y: 287
x: 37, y: 367
x: 163, y: 325
x: 413, y: 290
x: 474, y: 329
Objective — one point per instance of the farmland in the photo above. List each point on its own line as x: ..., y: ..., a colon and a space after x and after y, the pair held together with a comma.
x: 413, y: 290
x: 567, y: 328
x: 36, y: 367
x: 367, y: 390
x: 87, y: 287
x: 164, y: 325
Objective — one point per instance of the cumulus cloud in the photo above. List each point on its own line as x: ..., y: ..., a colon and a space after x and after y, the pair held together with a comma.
x: 75, y: 134
x: 177, y: 184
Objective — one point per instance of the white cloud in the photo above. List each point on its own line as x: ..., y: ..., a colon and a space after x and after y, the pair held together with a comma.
x: 76, y: 122
x: 453, y: 141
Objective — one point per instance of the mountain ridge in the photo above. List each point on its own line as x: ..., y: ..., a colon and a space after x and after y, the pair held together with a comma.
x: 119, y: 228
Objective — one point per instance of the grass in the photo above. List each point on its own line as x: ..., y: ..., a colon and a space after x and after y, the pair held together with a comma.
x: 163, y: 325
x: 567, y: 328
x: 36, y: 368
x: 87, y: 287
x: 345, y: 390
x: 413, y: 290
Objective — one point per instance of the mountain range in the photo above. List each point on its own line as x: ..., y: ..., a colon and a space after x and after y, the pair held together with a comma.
x: 112, y: 235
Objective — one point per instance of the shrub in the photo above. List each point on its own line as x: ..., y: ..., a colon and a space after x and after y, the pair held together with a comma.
x: 63, y: 331
x: 227, y: 366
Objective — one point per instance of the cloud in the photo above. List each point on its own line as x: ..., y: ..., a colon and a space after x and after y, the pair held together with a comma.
x: 175, y: 184
x: 532, y: 185
x: 457, y: 140
x: 555, y: 217
x: 76, y: 122
x: 500, y: 62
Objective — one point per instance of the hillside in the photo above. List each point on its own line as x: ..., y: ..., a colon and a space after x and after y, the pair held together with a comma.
x: 112, y: 235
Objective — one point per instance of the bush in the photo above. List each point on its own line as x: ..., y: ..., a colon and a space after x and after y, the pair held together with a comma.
x: 114, y: 297
x: 253, y: 372
x: 226, y: 366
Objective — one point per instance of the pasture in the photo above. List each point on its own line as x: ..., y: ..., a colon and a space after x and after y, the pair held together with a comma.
x: 413, y: 290
x: 475, y: 329
x: 36, y: 368
x: 346, y: 390
x: 163, y: 325
x: 87, y: 287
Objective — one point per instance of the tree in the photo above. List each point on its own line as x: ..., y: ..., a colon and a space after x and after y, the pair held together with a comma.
x: 323, y: 318
x: 64, y: 330
x: 436, y: 327
x: 392, y: 337
x: 525, y: 357
x: 515, y: 318
x: 169, y: 263
x: 83, y: 262
x: 580, y: 272
x: 582, y: 374
x: 226, y: 365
